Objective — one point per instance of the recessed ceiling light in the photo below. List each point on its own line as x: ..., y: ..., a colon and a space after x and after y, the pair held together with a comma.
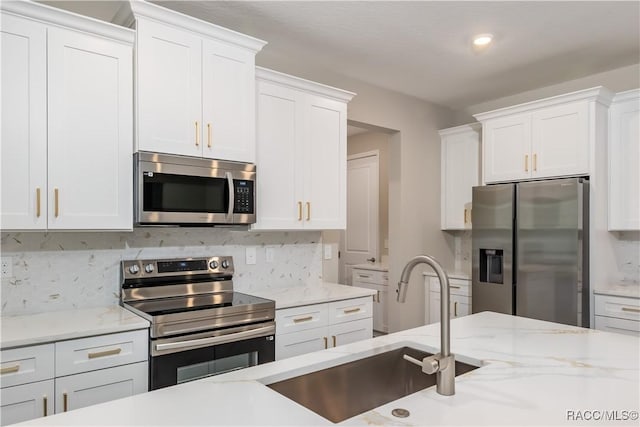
x: 482, y: 39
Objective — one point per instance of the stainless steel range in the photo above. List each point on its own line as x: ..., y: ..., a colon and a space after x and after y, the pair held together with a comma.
x: 199, y: 325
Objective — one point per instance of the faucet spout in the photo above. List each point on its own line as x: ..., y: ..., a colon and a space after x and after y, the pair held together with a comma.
x: 445, y: 372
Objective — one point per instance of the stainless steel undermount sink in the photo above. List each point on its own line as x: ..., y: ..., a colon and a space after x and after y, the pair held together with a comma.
x: 346, y: 390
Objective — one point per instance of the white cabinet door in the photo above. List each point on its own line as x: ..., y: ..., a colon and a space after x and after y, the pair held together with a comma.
x: 326, y: 164
x: 507, y: 142
x: 348, y: 332
x: 228, y: 102
x: 624, y: 157
x: 169, y: 87
x: 460, y: 160
x: 26, y: 402
x: 91, y: 388
x: 560, y: 140
x: 279, y: 154
x: 297, y: 343
x: 24, y: 124
x: 90, y: 132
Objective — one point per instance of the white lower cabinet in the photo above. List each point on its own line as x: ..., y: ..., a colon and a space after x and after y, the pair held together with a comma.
x: 379, y: 282
x: 305, y: 329
x: 459, y: 298
x: 617, y: 314
x: 40, y: 380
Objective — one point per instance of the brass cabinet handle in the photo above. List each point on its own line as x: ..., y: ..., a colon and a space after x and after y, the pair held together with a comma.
x: 302, y: 319
x: 299, y: 211
x: 374, y: 298
x: 352, y: 310
x: 44, y: 405
x: 326, y: 342
x: 65, y: 402
x: 535, y: 162
x: 631, y: 310
x: 10, y: 369
x: 335, y: 342
x: 454, y: 287
x: 197, y: 135
x: 38, y: 202
x: 378, y: 296
x: 104, y: 353
x: 364, y: 276
x: 56, y: 206
x: 455, y: 308
x: 526, y: 163
x: 465, y: 216
x: 308, y: 211
x: 209, y: 135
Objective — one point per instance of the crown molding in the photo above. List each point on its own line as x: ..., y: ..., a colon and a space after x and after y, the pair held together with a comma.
x: 629, y: 95
x: 476, y: 127
x: 293, y: 82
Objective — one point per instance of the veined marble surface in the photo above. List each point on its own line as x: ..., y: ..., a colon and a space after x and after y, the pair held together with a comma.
x: 312, y: 293
x: 631, y: 290
x: 69, y: 324
x: 533, y: 373
x: 376, y: 266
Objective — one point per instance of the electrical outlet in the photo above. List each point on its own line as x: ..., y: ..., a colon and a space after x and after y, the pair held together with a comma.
x: 250, y: 255
x: 328, y: 252
x: 269, y: 254
x: 7, y: 266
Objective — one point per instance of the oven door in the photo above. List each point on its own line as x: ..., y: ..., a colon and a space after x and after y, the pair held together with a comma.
x: 180, y: 359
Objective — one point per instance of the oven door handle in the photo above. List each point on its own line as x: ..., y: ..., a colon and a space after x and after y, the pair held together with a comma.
x: 232, y: 196
x: 220, y: 339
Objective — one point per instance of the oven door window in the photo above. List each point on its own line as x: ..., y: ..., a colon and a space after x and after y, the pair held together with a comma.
x: 216, y: 367
x: 184, y: 193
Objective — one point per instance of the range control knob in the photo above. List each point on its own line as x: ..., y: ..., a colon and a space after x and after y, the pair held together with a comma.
x: 149, y: 268
x: 213, y: 265
x: 225, y: 264
x: 134, y: 269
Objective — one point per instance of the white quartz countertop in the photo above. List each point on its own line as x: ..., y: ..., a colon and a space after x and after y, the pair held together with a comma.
x: 532, y: 373
x: 451, y: 274
x: 69, y: 324
x: 313, y: 293
x: 620, y: 290
x: 376, y: 266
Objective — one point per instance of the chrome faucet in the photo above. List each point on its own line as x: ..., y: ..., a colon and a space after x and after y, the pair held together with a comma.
x: 442, y: 364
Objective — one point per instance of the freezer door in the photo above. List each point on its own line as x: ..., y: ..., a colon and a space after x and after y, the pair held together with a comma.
x: 492, y: 242
x: 550, y: 251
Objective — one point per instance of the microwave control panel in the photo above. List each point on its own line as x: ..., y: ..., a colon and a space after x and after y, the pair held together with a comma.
x: 243, y: 198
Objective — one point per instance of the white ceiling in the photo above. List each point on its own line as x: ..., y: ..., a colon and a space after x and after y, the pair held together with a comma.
x: 422, y: 48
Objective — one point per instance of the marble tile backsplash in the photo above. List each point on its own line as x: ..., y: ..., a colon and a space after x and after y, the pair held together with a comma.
x: 58, y: 271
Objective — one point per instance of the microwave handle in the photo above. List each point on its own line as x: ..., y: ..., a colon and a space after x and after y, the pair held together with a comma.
x: 232, y: 196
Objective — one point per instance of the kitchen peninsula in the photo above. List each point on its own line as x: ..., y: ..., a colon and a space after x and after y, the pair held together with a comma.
x: 531, y: 373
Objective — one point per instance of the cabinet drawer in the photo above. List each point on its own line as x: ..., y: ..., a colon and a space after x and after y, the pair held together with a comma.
x: 620, y: 307
x: 456, y: 286
x: 302, y: 342
x: 348, y: 332
x: 91, y: 388
x: 621, y: 326
x: 26, y: 402
x: 26, y: 364
x: 104, y: 351
x: 350, y: 309
x: 370, y: 276
x: 301, y: 318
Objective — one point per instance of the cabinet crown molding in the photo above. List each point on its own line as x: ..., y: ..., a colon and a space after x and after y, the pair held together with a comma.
x: 303, y: 84
x: 144, y: 9
x: 54, y: 16
x: 598, y: 94
x: 629, y: 95
x: 477, y: 127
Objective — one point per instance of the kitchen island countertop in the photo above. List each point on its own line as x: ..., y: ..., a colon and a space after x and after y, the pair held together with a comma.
x: 313, y: 293
x: 532, y: 373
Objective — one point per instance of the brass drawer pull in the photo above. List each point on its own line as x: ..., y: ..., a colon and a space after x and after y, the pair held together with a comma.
x: 465, y: 216
x: 454, y: 287
x: 65, y: 402
x: 209, y: 135
x: 308, y: 211
x: 378, y: 296
x: 352, y: 310
x: 197, y: 135
x: 104, y: 353
x: 38, y: 202
x: 299, y: 211
x: 455, y: 308
x: 364, y: 276
x: 302, y: 319
x: 10, y: 369
x: 326, y: 342
x: 44, y: 405
x: 56, y: 196
x: 631, y: 310
x: 335, y: 342
x: 526, y: 163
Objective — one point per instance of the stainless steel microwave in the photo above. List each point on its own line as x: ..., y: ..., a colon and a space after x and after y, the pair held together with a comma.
x: 189, y: 191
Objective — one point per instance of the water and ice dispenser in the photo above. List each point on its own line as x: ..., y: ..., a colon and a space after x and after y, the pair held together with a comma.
x: 491, y: 266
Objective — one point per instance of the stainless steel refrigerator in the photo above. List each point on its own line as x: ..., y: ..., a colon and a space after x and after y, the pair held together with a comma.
x: 531, y: 250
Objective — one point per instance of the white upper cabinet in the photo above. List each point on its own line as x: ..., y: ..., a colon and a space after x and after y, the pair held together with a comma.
x: 460, y: 160
x: 195, y: 86
x: 67, y: 136
x: 624, y: 158
x: 549, y: 138
x: 301, y: 153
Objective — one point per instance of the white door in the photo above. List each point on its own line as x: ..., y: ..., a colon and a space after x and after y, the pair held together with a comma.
x: 360, y: 243
x: 90, y: 132
x: 325, y: 165
x: 278, y: 158
x: 24, y: 124
x: 560, y: 140
x: 507, y: 142
x: 228, y: 102
x: 26, y: 402
x: 169, y: 89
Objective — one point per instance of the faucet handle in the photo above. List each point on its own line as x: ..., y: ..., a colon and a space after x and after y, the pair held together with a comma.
x: 429, y: 364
